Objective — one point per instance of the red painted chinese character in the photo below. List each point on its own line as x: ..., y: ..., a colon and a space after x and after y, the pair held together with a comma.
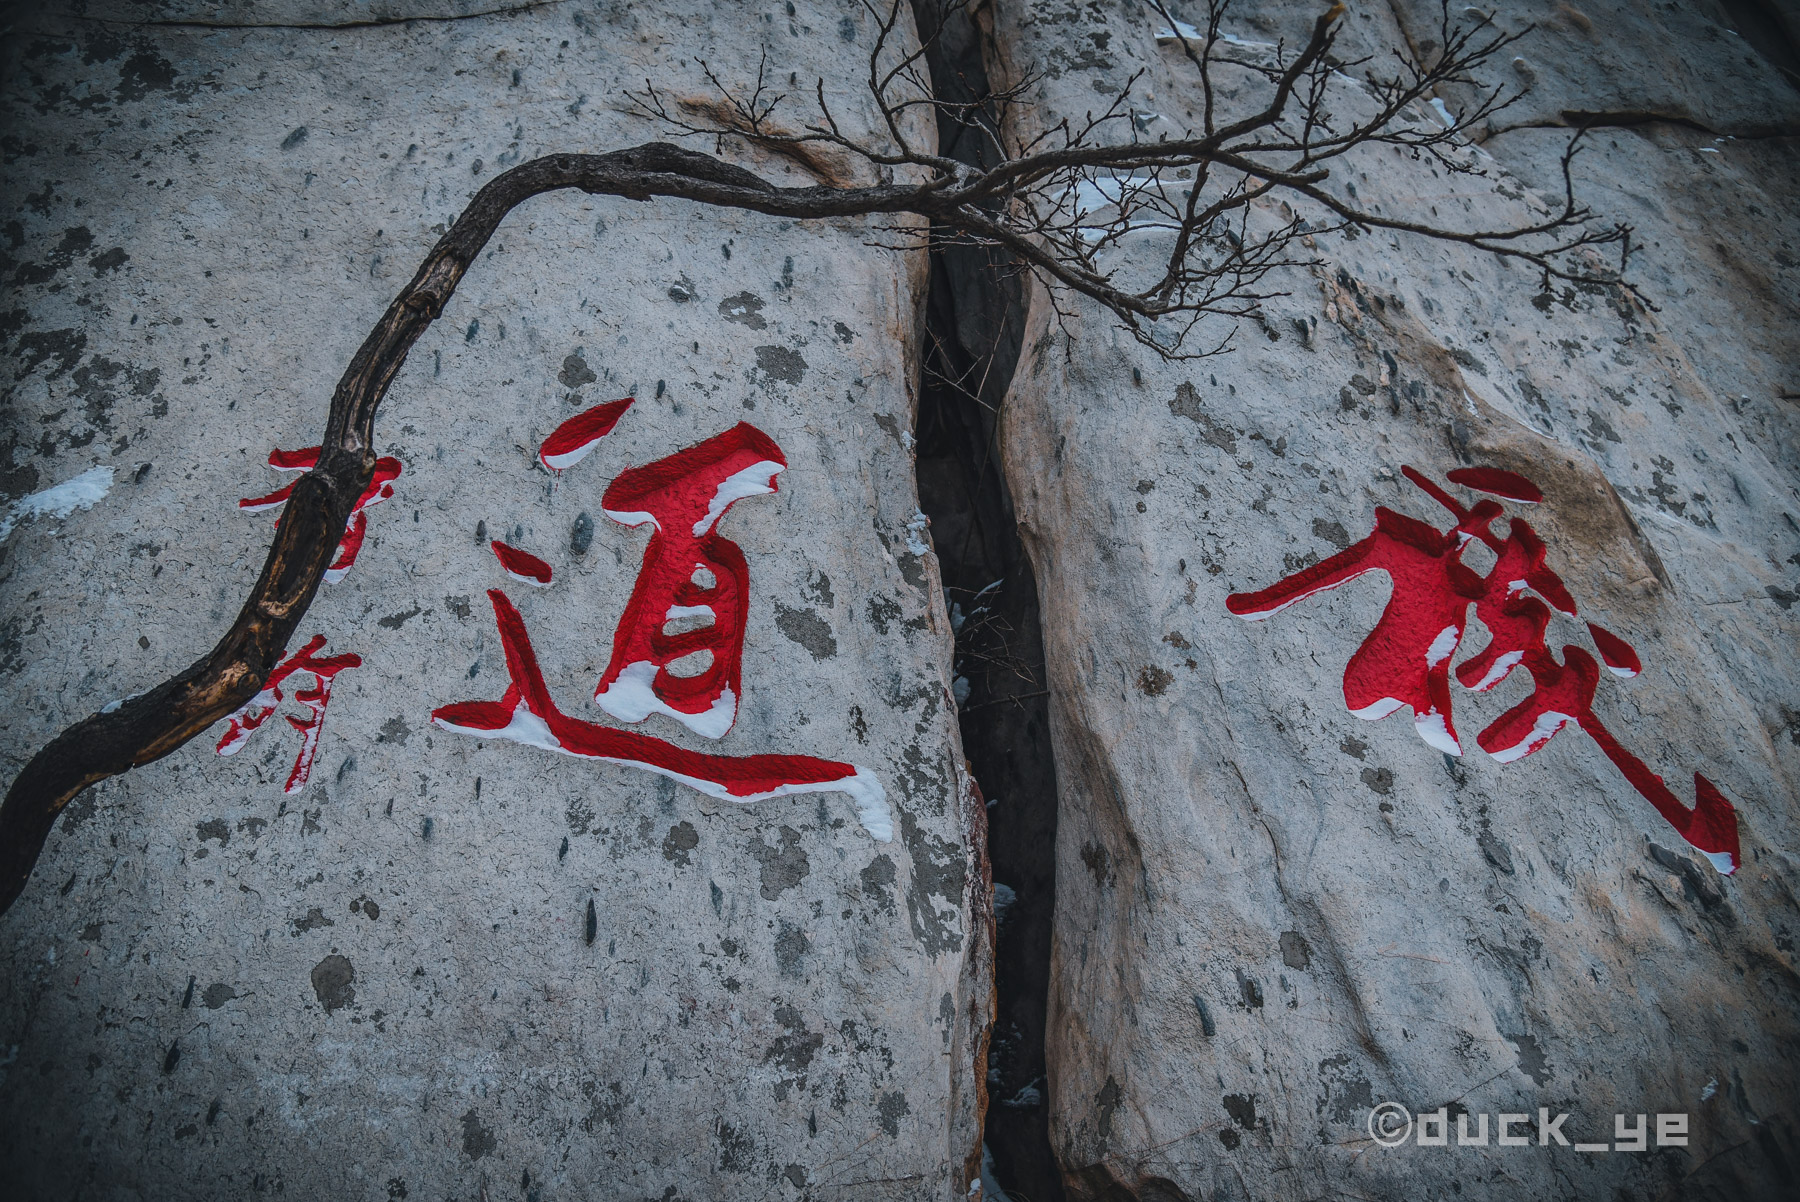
x: 1405, y: 660
x: 259, y: 708
x: 381, y: 487
x: 689, y: 572
x: 250, y: 717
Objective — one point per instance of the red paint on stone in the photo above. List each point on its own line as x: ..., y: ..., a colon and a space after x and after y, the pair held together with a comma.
x: 1621, y: 657
x: 250, y: 717
x: 522, y: 565
x: 570, y: 442
x: 1510, y: 485
x: 528, y: 714
x: 1405, y: 660
x: 689, y: 570
x: 356, y: 527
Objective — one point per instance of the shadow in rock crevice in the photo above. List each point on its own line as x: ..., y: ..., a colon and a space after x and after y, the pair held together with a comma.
x: 973, y: 334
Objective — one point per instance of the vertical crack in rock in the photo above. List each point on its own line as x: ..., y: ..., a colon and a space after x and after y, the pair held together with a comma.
x: 973, y: 322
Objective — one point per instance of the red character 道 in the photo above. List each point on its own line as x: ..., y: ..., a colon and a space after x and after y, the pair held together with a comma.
x: 690, y: 571
x: 1405, y: 660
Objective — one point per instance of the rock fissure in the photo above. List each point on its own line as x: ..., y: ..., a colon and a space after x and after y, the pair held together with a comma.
x: 972, y: 340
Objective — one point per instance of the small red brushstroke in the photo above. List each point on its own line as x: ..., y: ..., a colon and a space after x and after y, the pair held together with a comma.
x: 249, y: 718
x: 1405, y: 659
x: 302, y: 460
x: 356, y: 527
x: 684, y: 496
x: 570, y: 442
x: 522, y: 565
x: 527, y: 714
x: 1620, y: 657
x: 1499, y: 482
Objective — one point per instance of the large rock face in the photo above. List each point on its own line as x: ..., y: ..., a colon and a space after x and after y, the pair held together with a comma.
x: 372, y: 953
x: 449, y: 966
x: 1272, y: 916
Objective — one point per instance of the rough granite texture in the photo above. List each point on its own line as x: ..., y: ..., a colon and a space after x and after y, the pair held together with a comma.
x: 385, y: 986
x: 1272, y: 915
x: 467, y: 969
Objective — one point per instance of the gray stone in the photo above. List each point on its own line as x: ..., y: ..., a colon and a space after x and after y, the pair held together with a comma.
x: 1259, y: 938
x: 1717, y: 65
x: 454, y: 964
x: 210, y: 205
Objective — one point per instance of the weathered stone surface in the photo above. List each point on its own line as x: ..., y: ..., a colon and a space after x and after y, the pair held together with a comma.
x: 1719, y: 66
x: 1272, y: 916
x: 450, y: 967
x: 455, y: 967
x: 336, y: 14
